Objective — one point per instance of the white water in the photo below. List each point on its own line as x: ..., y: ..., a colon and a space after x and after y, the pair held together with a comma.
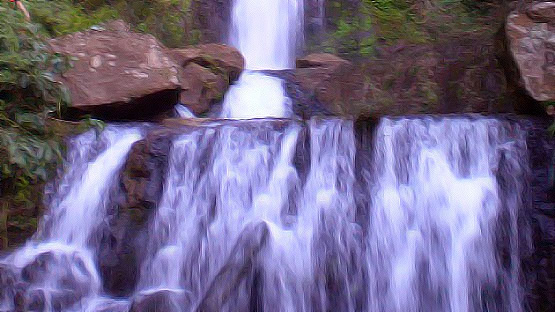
x: 290, y: 216
x: 267, y: 33
x: 286, y: 216
x: 60, y: 266
x: 435, y: 212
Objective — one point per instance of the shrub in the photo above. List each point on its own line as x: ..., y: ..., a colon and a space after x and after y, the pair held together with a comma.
x: 28, y: 93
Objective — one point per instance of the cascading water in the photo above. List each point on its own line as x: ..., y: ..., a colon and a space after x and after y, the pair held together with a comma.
x: 436, y: 209
x: 59, y: 270
x: 282, y: 215
x: 419, y: 214
x: 267, y: 33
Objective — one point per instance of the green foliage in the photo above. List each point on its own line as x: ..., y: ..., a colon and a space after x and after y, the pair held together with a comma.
x: 62, y: 17
x: 28, y: 93
x: 356, y: 28
x: 168, y: 20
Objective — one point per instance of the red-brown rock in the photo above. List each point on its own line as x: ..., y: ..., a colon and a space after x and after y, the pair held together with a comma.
x: 531, y: 38
x: 206, y: 73
x: 201, y: 88
x: 333, y: 82
x: 117, y: 72
x: 219, y: 57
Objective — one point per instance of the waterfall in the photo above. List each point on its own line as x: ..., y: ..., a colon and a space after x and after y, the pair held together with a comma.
x: 437, y: 206
x: 59, y: 268
x: 285, y: 215
x: 409, y: 214
x: 267, y: 33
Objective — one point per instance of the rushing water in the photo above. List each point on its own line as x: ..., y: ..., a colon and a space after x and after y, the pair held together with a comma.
x: 289, y: 216
x: 267, y: 33
x: 417, y: 214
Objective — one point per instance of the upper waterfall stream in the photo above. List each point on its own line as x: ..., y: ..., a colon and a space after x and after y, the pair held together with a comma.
x: 267, y: 33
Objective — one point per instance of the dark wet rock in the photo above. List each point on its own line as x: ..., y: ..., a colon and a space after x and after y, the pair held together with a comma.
x: 212, y: 17
x: 121, y: 244
x: 8, y: 285
x: 32, y: 300
x: 538, y: 245
x: 238, y: 269
x: 66, y: 272
x: 160, y: 300
x: 143, y: 175
x: 37, y: 270
x: 118, y: 73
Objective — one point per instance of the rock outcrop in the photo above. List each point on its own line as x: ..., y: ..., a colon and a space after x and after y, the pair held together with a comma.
x: 324, y: 84
x: 118, y: 73
x: 207, y: 70
x: 531, y: 41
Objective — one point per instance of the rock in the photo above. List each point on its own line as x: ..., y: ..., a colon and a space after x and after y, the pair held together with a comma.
x: 206, y: 72
x: 66, y: 275
x: 542, y: 11
x: 160, y: 300
x: 201, y: 88
x: 324, y: 60
x: 220, y: 58
x: 121, y: 245
x: 238, y: 267
x: 143, y: 175
x: 330, y: 81
x: 118, y: 73
x: 8, y: 280
x: 211, y: 18
x: 531, y: 42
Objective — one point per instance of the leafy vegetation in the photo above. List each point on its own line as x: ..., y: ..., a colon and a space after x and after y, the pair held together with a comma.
x: 30, y: 147
x: 359, y: 27
x: 28, y: 93
x: 168, y: 20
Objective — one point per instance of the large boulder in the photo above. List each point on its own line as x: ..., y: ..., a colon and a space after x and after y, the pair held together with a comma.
x: 206, y: 73
x: 118, y: 73
x: 531, y: 41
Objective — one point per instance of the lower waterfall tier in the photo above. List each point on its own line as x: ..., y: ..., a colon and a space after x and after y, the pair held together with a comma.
x: 409, y: 214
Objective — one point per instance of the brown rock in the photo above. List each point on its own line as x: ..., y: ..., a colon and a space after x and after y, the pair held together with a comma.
x: 325, y: 60
x: 333, y: 82
x: 531, y: 43
x: 220, y: 58
x: 201, y: 88
x: 542, y: 11
x: 118, y: 73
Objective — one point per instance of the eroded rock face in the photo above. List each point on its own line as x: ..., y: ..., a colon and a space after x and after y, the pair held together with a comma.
x: 118, y: 72
x: 326, y: 84
x: 206, y: 73
x: 201, y: 88
x: 531, y: 38
x: 122, y: 243
x: 220, y: 57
